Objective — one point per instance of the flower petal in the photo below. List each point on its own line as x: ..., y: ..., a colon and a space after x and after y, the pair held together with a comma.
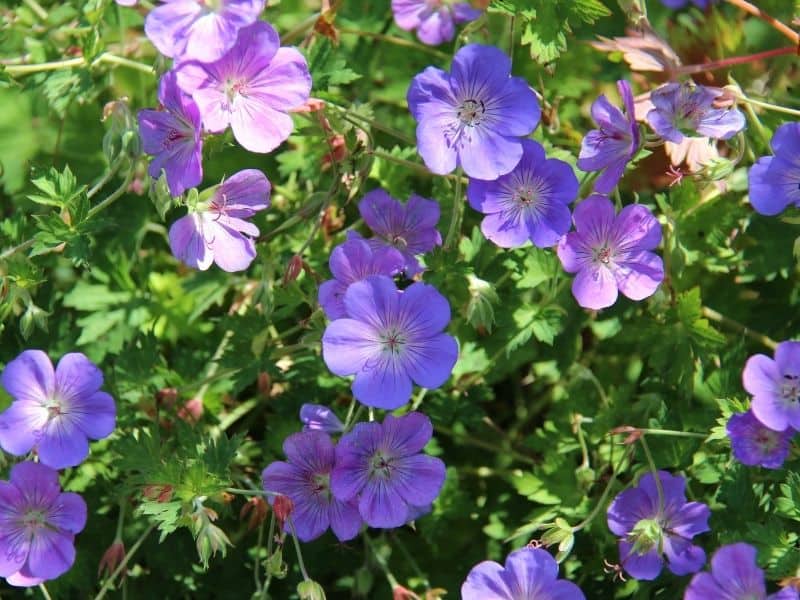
x: 29, y: 376
x: 418, y: 479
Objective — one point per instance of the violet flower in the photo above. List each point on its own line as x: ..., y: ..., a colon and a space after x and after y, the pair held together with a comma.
x: 316, y: 417
x: 305, y: 480
x: 529, y: 573
x: 649, y: 530
x: 173, y: 137
x: 701, y: 4
x: 350, y: 262
x: 251, y: 88
x: 734, y: 576
x: 381, y: 465
x: 775, y: 386
x: 390, y: 339
x: 611, y: 253
x: 38, y: 523
x: 199, y: 29
x: 610, y: 148
x: 686, y: 109
x: 775, y: 180
x: 755, y: 444
x: 473, y: 116
x: 434, y: 20
x: 216, y: 231
x: 529, y: 203
x: 408, y: 228
x: 54, y: 412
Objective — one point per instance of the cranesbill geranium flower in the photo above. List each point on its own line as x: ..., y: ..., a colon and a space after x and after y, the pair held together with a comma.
x: 305, y: 480
x: 775, y: 386
x: 473, y: 116
x: 173, y: 137
x: 754, y: 443
x: 775, y: 180
x: 320, y: 418
x: 381, y: 465
x: 702, y: 4
x: 408, y: 228
x: 38, y: 524
x: 610, y: 148
x: 54, y: 412
x: 529, y: 573
x: 251, y: 88
x: 390, y: 339
x: 648, y: 530
x: 216, y: 231
x: 734, y: 576
x: 611, y: 253
x: 353, y: 261
x: 199, y: 29
x: 687, y: 109
x: 529, y: 203
x: 434, y: 20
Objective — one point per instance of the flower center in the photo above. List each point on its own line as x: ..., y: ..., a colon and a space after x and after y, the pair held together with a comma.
x: 33, y: 519
x: 173, y: 136
x: 603, y: 255
x: 55, y: 408
x: 399, y: 242
x: 790, y: 388
x: 235, y: 88
x: 471, y: 112
x: 381, y: 466
x: 767, y: 440
x: 214, y: 5
x: 646, y: 534
x: 393, y: 341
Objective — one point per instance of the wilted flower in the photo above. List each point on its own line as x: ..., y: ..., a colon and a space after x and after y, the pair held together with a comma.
x: 216, y: 231
x: 320, y: 418
x: 528, y: 574
x: 648, y: 529
x: 775, y: 180
x: 754, y: 443
x: 251, y: 88
x: 473, y: 116
x: 434, y: 20
x: 55, y: 412
x: 381, y: 465
x: 390, y: 339
x: 611, y: 253
x: 38, y: 524
x: 529, y: 203
x: 734, y: 576
x: 775, y: 386
x: 255, y: 511
x: 199, y: 29
x: 173, y: 137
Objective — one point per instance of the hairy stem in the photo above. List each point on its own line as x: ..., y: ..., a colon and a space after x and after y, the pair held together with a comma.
x: 765, y: 340
x: 122, y: 565
x: 734, y: 60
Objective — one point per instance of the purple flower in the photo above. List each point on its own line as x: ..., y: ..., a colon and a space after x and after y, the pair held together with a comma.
x: 434, y: 20
x: 126, y: 2
x: 754, y: 443
x: 529, y: 203
x: 38, y: 524
x: 648, y: 530
x: 199, y: 29
x: 306, y: 481
x: 173, y: 137
x: 528, y: 573
x: 410, y: 229
x: 611, y: 253
x: 390, y: 339
x: 701, y: 4
x: 474, y: 115
x: 775, y: 180
x: 775, y: 386
x: 734, y: 576
x: 251, y: 88
x: 353, y: 261
x: 381, y: 465
x: 610, y: 148
x: 688, y: 110
x: 54, y: 413
x: 216, y: 231
x: 316, y: 417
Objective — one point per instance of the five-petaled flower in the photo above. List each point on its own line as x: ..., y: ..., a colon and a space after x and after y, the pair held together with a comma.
x: 54, y: 412
x: 775, y: 180
x: 251, y: 88
x: 434, y: 20
x: 38, y: 523
x: 611, y: 253
x: 754, y: 443
x: 473, y: 116
x: 775, y: 386
x: 389, y: 339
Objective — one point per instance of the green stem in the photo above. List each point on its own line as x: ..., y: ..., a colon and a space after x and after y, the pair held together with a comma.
x: 118, y: 193
x: 37, y: 8
x: 120, y: 520
x: 18, y: 248
x: 122, y: 565
x: 244, y: 492
x: 767, y: 341
x: 44, y: 591
x: 652, y: 464
x: 673, y: 433
x: 270, y: 541
x: 69, y: 63
x: 454, y: 231
x: 604, y: 496
x: 390, y: 578
x: 478, y: 443
x: 350, y: 116
x: 768, y: 106
x: 396, y: 41
x: 104, y: 179
x: 299, y: 552
x: 300, y: 29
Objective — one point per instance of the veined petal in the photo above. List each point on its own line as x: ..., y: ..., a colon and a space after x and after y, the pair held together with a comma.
x: 418, y: 479
x: 30, y: 377
x: 77, y: 377
x: 257, y: 126
x: 62, y: 444
x: 52, y: 553
x: 382, y: 383
x: 188, y: 244
x: 21, y: 425
x: 348, y: 344
x: 381, y: 505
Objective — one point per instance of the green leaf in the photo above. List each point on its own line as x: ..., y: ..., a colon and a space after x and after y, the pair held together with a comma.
x: 546, y: 34
x: 588, y: 11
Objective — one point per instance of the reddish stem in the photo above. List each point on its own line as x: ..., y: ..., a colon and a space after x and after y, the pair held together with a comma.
x: 734, y: 60
x: 772, y: 21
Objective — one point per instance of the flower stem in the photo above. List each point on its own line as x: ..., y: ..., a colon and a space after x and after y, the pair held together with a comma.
x: 768, y: 106
x: 393, y: 583
x: 734, y: 60
x: 18, y: 248
x: 300, y: 562
x: 604, y: 496
x: 44, y: 591
x: 454, y: 231
x: 137, y: 544
x: 244, y: 492
x: 270, y: 541
x: 69, y: 63
x: 478, y: 443
x: 767, y: 341
x: 396, y: 41
x: 784, y: 29
x: 108, y: 201
x: 652, y: 464
x: 674, y: 433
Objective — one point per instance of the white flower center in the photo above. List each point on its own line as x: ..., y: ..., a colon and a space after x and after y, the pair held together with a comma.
x: 471, y: 112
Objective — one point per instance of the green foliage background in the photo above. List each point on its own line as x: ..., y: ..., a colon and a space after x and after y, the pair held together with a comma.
x: 523, y: 424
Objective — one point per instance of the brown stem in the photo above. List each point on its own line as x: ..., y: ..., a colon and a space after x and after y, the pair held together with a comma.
x: 769, y: 19
x: 734, y: 60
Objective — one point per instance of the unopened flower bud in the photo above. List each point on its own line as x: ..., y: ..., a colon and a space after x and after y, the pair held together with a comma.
x: 283, y: 507
x: 166, y: 397
x: 401, y: 593
x: 293, y: 269
x: 310, y: 590
x: 111, y: 559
